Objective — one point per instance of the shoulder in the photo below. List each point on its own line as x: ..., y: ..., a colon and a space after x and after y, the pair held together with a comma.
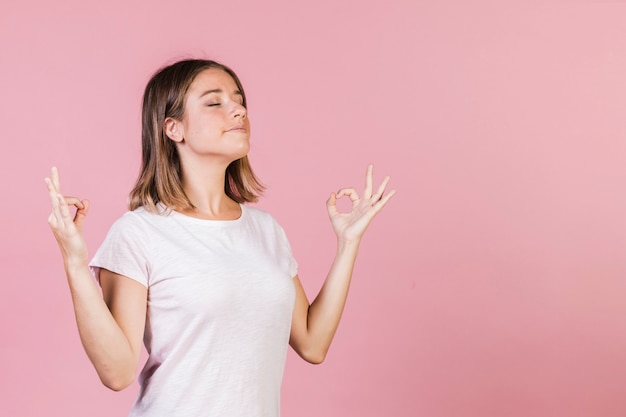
x: 257, y: 213
x: 262, y: 217
x: 131, y: 219
x: 137, y: 222
x: 265, y: 220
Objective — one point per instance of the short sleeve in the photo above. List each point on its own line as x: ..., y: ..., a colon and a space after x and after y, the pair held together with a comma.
x: 123, y: 251
x: 293, y: 264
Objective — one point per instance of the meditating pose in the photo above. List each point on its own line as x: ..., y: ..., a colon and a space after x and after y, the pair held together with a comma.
x: 209, y: 283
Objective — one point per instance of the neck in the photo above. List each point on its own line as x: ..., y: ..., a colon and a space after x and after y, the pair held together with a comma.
x: 203, y: 182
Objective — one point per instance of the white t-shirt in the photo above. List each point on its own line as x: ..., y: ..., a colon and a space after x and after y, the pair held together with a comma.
x: 220, y: 300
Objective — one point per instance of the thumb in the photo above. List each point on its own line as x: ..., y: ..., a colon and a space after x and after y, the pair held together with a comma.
x: 331, y: 204
x: 81, y: 214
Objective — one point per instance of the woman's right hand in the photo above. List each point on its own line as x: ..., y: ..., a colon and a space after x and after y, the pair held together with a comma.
x: 67, y: 230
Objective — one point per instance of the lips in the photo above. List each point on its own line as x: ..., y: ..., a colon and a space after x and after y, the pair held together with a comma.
x: 237, y: 128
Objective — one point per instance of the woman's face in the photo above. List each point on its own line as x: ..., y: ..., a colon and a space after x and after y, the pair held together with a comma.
x: 215, y: 123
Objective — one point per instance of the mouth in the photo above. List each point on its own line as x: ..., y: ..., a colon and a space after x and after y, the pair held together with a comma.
x: 237, y: 128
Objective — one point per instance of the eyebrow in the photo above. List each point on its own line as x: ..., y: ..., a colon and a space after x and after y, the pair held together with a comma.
x: 218, y: 90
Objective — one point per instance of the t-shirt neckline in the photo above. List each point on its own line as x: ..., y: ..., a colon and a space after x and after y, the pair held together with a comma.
x: 209, y: 222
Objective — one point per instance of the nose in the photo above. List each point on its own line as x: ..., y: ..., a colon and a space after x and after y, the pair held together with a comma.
x: 239, y: 111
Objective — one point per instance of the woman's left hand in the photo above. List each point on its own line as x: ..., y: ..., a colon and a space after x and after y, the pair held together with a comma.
x: 350, y: 226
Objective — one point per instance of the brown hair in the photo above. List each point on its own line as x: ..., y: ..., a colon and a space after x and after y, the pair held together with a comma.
x: 160, y: 179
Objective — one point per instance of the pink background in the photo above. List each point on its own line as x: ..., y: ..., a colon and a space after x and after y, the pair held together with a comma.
x: 494, y: 284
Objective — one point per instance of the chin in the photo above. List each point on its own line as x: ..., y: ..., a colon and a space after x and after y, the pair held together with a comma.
x: 244, y: 149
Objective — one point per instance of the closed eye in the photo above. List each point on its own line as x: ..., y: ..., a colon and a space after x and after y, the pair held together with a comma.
x: 213, y: 104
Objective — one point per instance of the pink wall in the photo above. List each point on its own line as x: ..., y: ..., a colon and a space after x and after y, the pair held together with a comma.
x: 494, y: 284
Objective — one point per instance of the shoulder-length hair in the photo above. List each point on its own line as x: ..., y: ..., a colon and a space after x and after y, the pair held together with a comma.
x: 160, y: 179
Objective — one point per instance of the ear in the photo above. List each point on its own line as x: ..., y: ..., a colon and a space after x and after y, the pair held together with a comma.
x: 173, y: 129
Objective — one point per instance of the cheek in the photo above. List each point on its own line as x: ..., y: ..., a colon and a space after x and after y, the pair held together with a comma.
x: 206, y: 126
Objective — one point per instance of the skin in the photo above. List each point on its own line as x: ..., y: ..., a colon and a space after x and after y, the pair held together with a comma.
x: 214, y: 131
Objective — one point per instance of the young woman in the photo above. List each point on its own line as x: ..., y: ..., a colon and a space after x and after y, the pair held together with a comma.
x: 208, y: 283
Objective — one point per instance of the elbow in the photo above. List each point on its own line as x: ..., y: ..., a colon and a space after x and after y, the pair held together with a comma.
x: 117, y: 382
x: 116, y: 385
x: 315, y: 360
x: 310, y: 349
x: 314, y: 357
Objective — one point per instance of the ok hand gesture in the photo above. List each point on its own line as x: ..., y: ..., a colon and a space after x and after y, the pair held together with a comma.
x: 350, y: 226
x: 67, y: 229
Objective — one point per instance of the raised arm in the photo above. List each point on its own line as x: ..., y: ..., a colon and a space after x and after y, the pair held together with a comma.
x: 314, y: 325
x: 110, y: 327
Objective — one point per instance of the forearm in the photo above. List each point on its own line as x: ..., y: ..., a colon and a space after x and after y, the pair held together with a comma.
x: 104, y: 341
x: 313, y: 326
x: 325, y: 311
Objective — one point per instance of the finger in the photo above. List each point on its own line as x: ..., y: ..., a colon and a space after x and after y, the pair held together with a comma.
x: 55, y: 202
x: 378, y: 206
x: 64, y: 210
x: 56, y: 211
x: 381, y: 188
x: 81, y: 213
x: 367, y: 193
x: 350, y: 192
x: 331, y: 204
x: 52, y: 192
x: 86, y: 205
x: 73, y: 201
x: 63, y: 207
x: 52, y: 220
x: 82, y: 206
x: 55, y: 179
